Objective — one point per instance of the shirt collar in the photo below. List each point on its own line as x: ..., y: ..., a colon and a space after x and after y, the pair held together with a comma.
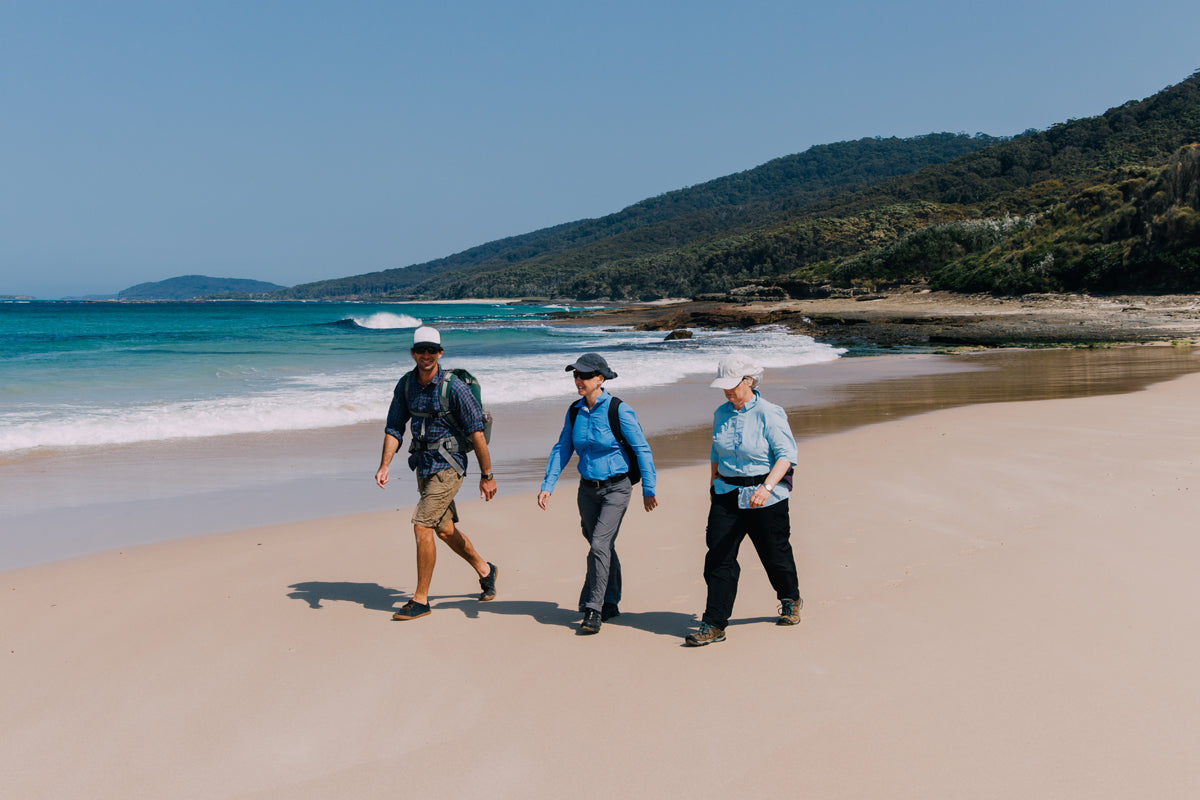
x: 601, y: 398
x: 438, y: 375
x: 751, y: 403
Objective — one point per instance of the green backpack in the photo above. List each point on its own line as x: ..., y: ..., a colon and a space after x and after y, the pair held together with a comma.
x: 459, y: 442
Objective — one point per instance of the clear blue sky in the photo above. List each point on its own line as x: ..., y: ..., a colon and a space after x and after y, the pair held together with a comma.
x: 294, y: 140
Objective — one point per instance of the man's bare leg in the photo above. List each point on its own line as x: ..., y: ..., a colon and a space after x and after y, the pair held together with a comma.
x: 460, y: 544
x: 426, y: 558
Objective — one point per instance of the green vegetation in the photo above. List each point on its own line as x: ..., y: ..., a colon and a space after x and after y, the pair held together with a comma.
x: 190, y: 287
x: 1104, y: 204
x: 623, y: 254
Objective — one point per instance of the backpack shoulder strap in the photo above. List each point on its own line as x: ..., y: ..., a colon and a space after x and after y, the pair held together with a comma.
x: 403, y: 387
x: 614, y: 424
x: 614, y: 419
x: 444, y: 392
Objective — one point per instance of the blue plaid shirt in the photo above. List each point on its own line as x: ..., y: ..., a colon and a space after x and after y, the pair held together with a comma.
x: 424, y: 399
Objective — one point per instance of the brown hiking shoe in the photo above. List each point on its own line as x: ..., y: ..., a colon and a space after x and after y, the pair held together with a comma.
x: 706, y: 635
x: 789, y: 611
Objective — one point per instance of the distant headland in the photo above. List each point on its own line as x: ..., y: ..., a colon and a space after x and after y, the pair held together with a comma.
x: 195, y: 287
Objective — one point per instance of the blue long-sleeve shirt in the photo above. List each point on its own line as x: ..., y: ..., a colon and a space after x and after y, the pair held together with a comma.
x: 600, y: 455
x: 747, y: 443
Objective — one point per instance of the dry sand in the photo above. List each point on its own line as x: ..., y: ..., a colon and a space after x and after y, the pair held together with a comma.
x: 1000, y: 602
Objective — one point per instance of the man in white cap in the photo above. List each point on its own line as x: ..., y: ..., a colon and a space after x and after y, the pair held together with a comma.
x: 446, y: 420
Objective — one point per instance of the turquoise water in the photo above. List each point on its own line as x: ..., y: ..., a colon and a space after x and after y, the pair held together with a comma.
x: 78, y: 375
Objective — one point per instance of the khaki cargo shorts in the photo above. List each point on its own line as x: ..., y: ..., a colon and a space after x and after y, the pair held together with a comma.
x: 436, y: 506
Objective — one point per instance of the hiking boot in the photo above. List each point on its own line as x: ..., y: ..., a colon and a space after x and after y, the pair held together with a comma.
x: 411, y: 610
x: 488, y: 584
x: 706, y: 635
x: 591, y: 622
x: 789, y: 611
x: 609, y: 611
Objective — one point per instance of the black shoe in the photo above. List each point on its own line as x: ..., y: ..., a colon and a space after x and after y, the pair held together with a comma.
x: 609, y: 611
x: 488, y: 584
x: 411, y: 610
x: 591, y: 622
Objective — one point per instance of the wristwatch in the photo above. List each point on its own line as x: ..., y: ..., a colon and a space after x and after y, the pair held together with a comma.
x: 487, y: 476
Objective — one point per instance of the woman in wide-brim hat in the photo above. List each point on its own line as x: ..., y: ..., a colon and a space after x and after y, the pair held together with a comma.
x: 612, y: 452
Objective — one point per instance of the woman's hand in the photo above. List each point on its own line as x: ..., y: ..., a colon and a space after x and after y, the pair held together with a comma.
x: 760, y: 497
x: 543, y: 500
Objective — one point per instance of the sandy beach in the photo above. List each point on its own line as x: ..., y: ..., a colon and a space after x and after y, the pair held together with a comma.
x: 998, y: 602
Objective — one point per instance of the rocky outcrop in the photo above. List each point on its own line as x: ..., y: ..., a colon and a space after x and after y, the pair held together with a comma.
x: 946, y: 320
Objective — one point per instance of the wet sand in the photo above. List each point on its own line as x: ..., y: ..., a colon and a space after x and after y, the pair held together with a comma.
x: 66, y: 504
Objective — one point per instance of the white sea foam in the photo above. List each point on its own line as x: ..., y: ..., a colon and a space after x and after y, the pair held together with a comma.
x: 384, y: 320
x: 361, y: 394
x: 280, y: 410
x: 641, y: 359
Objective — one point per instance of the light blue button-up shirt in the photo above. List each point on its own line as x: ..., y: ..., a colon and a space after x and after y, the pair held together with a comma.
x: 749, y: 442
x: 600, y: 456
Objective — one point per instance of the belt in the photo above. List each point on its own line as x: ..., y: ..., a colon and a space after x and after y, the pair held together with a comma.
x: 602, y: 483
x: 747, y: 480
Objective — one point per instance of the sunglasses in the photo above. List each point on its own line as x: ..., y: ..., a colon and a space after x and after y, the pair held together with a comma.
x: 426, y: 349
x: 585, y: 376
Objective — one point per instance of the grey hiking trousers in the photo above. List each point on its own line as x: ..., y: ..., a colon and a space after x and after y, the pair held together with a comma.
x: 601, y: 509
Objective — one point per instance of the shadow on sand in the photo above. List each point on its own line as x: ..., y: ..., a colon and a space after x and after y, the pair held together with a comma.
x: 373, y: 597
x: 370, y: 596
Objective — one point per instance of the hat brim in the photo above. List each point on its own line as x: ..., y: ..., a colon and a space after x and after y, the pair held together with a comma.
x: 608, y: 374
x: 726, y: 383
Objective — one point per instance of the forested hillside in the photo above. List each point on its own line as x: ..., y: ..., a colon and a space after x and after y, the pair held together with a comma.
x: 542, y: 262
x: 1104, y: 204
x: 1107, y: 203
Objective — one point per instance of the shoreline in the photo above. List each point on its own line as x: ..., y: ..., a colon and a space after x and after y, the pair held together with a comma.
x: 985, y: 585
x: 66, y: 504
x: 70, y: 505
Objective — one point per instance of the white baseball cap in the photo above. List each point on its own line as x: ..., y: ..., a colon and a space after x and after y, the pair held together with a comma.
x: 426, y: 335
x: 732, y: 369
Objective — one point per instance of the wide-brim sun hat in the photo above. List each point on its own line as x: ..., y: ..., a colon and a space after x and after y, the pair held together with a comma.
x: 592, y: 362
x: 732, y: 370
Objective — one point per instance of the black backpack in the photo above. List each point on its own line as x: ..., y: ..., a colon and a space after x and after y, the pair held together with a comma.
x: 614, y: 424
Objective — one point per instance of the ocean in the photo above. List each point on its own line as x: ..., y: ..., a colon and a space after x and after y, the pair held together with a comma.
x: 125, y: 424
x: 84, y: 375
